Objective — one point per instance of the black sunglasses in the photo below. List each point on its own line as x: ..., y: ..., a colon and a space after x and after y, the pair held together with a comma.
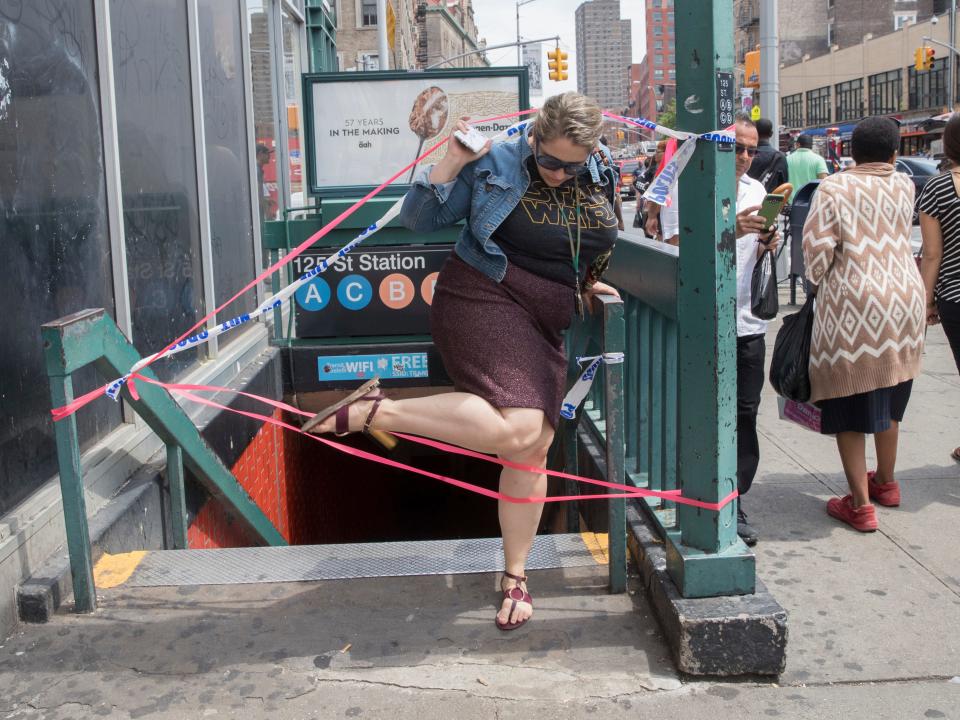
x: 549, y: 162
x: 750, y: 151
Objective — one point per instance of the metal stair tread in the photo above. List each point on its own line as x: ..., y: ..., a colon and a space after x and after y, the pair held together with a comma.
x: 298, y: 563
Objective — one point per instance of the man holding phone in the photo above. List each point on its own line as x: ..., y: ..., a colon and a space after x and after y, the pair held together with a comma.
x: 755, y: 235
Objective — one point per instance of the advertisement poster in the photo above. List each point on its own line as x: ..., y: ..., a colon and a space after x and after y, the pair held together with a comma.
x: 362, y: 132
x: 380, y: 291
x: 533, y: 61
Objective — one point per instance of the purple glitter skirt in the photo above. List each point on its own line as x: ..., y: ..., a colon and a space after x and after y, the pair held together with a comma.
x: 503, y: 341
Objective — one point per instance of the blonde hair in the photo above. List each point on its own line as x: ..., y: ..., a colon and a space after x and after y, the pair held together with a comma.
x: 571, y: 115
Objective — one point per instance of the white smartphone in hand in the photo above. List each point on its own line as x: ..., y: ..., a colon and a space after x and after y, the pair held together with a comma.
x: 473, y: 139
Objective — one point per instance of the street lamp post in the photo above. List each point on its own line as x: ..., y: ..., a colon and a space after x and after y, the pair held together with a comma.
x: 519, y: 3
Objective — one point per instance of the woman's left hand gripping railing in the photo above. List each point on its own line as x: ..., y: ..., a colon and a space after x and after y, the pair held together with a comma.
x: 601, y: 334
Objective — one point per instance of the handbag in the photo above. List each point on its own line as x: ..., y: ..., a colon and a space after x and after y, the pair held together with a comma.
x: 790, y: 364
x: 764, y: 300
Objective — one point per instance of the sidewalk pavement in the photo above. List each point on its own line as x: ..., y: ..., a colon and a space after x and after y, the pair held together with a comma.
x: 874, y: 621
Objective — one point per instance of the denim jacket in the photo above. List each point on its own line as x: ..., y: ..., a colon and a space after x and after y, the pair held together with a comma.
x: 484, y: 193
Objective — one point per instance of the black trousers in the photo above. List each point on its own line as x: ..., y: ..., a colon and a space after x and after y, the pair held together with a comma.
x: 751, y: 352
x: 950, y: 319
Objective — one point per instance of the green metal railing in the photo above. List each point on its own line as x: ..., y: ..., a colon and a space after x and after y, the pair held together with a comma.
x: 91, y: 337
x: 603, y: 419
x: 635, y: 416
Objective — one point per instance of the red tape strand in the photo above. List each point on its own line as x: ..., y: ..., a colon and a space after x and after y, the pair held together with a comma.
x: 187, y: 391
x: 70, y: 408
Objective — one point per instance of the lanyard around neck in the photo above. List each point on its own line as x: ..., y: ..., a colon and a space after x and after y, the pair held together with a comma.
x: 574, y: 248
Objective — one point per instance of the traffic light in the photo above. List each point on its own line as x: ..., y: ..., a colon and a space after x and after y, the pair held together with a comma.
x: 557, y: 64
x: 923, y: 58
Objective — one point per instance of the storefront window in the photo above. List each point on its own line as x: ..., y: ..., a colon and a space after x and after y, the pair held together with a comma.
x: 264, y: 122
x: 791, y: 108
x: 818, y: 106
x: 159, y: 172
x: 928, y: 88
x: 849, y: 100
x: 227, y: 156
x: 886, y: 91
x: 53, y: 221
x: 292, y: 69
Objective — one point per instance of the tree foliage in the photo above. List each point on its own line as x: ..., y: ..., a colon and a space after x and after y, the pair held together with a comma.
x: 668, y: 116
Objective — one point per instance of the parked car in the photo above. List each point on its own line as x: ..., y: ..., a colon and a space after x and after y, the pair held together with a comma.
x: 628, y: 170
x: 920, y: 169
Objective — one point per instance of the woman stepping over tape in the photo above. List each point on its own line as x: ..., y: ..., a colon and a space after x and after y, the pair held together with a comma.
x: 541, y: 221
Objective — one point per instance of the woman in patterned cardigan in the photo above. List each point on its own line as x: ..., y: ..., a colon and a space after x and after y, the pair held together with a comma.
x: 869, y: 318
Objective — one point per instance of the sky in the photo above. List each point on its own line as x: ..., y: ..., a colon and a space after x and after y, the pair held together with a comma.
x: 497, y: 23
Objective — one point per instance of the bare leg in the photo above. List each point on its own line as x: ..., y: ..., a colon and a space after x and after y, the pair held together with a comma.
x: 519, y: 521
x: 458, y: 418
x: 852, y: 447
x: 886, y: 445
x: 521, y: 435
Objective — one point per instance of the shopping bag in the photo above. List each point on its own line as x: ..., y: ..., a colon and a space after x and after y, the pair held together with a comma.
x: 789, y: 366
x: 806, y: 415
x: 764, y: 302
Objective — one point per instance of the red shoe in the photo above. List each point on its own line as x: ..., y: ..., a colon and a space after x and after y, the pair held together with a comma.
x: 863, y: 518
x: 883, y: 493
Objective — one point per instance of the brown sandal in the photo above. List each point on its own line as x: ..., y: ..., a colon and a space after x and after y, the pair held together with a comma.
x: 341, y: 411
x: 516, y: 594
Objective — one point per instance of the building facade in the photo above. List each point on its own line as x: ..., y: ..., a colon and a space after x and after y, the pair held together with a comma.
x: 143, y: 196
x: 603, y: 52
x: 445, y: 29
x: 810, y: 28
x: 875, y: 77
x: 801, y: 28
x: 658, y: 81
x: 357, y: 43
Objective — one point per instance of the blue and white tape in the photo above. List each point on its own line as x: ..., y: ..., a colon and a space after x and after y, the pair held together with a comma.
x: 573, y: 399
x: 113, y: 389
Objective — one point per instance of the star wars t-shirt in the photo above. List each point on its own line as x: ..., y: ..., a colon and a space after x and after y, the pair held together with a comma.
x: 534, y: 235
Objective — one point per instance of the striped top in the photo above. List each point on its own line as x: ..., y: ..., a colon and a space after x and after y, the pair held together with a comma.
x: 939, y: 200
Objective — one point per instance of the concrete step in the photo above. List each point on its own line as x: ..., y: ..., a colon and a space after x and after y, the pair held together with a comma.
x: 301, y: 563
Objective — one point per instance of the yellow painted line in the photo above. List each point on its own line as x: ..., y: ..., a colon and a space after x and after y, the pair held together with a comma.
x: 597, y: 544
x: 113, y: 570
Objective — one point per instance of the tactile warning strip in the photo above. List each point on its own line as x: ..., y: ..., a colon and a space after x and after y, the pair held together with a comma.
x: 337, y: 562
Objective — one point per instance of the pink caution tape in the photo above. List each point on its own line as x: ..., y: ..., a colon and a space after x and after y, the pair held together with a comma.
x: 72, y: 407
x: 187, y: 391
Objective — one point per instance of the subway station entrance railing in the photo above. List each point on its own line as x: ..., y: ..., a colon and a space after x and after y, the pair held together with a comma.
x: 91, y: 337
x: 645, y: 431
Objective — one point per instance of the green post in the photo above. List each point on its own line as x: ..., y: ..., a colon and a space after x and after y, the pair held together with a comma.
x: 178, y: 498
x: 74, y: 504
x: 707, y: 559
x: 614, y: 340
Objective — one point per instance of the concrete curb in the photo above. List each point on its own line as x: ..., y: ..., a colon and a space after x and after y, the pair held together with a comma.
x: 723, y: 636
x: 136, y: 518
x: 133, y: 519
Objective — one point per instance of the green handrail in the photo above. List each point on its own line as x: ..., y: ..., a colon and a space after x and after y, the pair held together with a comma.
x: 603, y: 413
x: 653, y: 429
x: 91, y: 337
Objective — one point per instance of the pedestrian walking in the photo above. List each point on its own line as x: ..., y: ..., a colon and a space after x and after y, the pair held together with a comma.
x: 868, y: 324
x: 540, y: 228
x: 770, y: 165
x: 939, y: 207
x: 804, y: 165
x: 754, y: 237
